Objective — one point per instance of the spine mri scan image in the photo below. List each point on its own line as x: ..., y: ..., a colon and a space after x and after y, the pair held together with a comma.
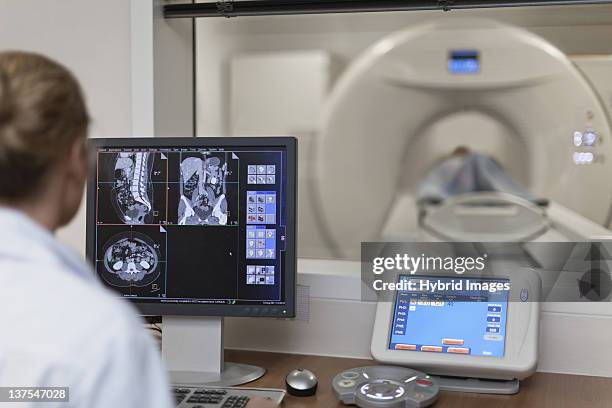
x: 133, y: 189
x: 130, y: 258
x: 203, y: 190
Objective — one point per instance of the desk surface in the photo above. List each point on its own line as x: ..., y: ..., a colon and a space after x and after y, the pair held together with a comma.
x: 541, y: 390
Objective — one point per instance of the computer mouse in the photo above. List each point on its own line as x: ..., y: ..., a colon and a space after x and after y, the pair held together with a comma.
x: 301, y: 383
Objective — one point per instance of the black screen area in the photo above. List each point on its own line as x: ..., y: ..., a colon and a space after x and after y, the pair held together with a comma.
x: 196, y: 225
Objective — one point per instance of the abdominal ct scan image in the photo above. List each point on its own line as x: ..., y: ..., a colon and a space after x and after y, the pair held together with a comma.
x: 133, y: 190
x: 203, y: 190
x: 130, y: 259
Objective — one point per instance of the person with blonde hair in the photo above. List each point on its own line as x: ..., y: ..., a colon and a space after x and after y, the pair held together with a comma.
x: 60, y: 327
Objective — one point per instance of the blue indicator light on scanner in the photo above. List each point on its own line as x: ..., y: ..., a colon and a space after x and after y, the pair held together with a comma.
x: 464, y: 62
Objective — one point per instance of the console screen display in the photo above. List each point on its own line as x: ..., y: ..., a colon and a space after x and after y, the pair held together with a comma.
x: 468, y: 317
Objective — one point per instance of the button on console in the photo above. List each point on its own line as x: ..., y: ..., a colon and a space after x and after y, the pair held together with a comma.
x: 424, y: 383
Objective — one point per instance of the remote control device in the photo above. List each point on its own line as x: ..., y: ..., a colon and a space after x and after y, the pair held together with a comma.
x: 385, y: 387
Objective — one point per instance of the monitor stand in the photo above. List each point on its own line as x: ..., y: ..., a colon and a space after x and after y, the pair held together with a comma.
x: 192, y: 349
x: 477, y: 385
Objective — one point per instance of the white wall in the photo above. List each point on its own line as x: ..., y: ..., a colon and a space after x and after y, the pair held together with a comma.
x: 90, y: 37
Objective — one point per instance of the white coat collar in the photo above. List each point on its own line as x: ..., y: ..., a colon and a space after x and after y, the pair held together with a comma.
x: 22, y: 239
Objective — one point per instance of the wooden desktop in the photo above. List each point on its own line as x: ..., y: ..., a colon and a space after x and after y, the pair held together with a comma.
x: 542, y: 390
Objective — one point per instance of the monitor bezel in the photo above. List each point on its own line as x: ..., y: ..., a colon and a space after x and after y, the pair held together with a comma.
x: 189, y: 309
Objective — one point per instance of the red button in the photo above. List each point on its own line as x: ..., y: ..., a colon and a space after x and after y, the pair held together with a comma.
x: 424, y: 383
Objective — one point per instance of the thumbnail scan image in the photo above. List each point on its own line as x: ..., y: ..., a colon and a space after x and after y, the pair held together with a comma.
x: 130, y: 258
x: 133, y: 190
x: 203, y: 190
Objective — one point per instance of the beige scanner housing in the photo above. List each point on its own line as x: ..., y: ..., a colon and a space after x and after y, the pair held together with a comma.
x: 397, y: 111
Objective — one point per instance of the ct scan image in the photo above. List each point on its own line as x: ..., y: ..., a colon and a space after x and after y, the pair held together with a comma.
x: 205, y: 189
x: 133, y: 190
x: 130, y: 259
x: 133, y: 184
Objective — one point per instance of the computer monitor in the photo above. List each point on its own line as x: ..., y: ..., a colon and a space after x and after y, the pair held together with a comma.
x: 195, y: 226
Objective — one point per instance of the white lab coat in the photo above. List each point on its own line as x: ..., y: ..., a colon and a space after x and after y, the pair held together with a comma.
x: 60, y: 327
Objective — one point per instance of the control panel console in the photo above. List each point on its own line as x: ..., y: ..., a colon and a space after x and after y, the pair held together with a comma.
x: 385, y: 387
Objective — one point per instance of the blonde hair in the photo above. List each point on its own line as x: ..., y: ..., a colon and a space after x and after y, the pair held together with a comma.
x: 42, y: 113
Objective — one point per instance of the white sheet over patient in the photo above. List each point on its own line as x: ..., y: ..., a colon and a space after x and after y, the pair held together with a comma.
x: 468, y: 173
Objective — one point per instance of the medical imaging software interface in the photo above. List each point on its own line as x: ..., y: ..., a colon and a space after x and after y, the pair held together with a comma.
x: 468, y: 322
x: 192, y: 225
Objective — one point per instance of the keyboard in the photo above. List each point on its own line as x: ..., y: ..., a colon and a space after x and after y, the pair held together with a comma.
x: 221, y: 397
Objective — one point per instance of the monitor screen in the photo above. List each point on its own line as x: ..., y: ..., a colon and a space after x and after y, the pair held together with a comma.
x: 464, y: 62
x: 195, y: 226
x: 468, y: 318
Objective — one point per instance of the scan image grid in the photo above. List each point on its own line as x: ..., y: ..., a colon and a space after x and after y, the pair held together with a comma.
x: 138, y: 184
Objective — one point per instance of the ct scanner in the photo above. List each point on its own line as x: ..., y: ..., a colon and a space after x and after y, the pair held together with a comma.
x: 403, y: 105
